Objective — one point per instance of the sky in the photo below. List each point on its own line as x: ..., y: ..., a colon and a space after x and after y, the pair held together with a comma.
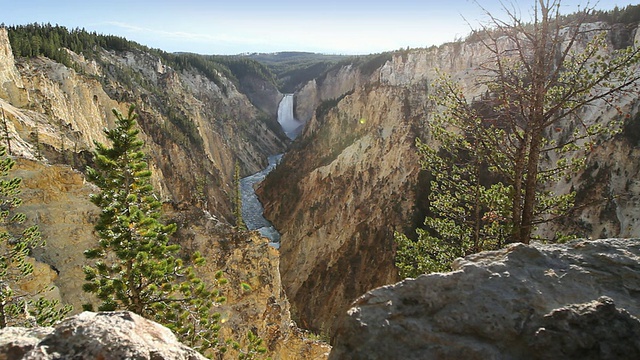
x: 230, y: 27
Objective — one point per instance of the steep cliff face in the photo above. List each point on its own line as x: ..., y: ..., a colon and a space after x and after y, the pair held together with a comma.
x: 261, y: 93
x: 188, y: 121
x: 11, y: 86
x: 56, y: 198
x: 332, y: 85
x: 353, y: 177
x: 195, y: 129
x: 338, y: 195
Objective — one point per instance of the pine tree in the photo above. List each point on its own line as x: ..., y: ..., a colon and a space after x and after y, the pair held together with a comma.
x: 253, y: 347
x: 18, y: 308
x: 136, y: 268
x: 539, y: 77
x: 468, y: 210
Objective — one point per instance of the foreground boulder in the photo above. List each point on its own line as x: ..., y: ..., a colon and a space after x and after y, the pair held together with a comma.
x: 574, y: 301
x: 89, y: 335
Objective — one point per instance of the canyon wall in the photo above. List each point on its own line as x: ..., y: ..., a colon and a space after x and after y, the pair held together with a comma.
x: 194, y: 129
x: 353, y: 177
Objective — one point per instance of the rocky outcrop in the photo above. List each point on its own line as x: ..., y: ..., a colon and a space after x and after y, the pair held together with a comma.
x: 595, y: 330
x: 353, y: 176
x: 11, y: 85
x: 56, y: 197
x: 89, y: 335
x: 522, y: 302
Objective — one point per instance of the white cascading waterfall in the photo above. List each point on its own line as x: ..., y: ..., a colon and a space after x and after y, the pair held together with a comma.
x: 291, y: 126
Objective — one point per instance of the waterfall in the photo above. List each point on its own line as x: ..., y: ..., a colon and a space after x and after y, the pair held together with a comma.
x: 252, y: 211
x: 291, y: 126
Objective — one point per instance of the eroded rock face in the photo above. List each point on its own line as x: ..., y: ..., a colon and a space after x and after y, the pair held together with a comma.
x: 352, y: 179
x: 11, y: 85
x: 246, y: 257
x: 522, y: 302
x: 353, y: 176
x: 186, y: 119
x: 332, y: 85
x: 336, y: 198
x: 57, y: 199
x: 595, y: 330
x: 89, y: 335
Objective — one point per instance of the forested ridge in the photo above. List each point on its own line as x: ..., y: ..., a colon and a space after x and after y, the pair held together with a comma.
x: 51, y: 41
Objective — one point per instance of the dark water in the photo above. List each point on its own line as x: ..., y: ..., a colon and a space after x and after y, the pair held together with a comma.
x: 252, y: 208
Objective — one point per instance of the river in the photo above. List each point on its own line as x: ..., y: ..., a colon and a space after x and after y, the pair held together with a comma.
x: 252, y: 210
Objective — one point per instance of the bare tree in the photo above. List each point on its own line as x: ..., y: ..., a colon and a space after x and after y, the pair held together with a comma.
x: 539, y: 77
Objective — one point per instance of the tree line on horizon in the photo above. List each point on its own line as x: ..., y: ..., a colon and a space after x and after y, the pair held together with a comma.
x: 49, y: 40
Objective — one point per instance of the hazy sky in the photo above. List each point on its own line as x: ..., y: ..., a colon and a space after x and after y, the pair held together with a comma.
x: 239, y: 26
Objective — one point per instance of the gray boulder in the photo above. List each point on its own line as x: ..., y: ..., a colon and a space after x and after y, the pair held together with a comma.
x: 105, y: 335
x: 595, y: 330
x: 579, y: 300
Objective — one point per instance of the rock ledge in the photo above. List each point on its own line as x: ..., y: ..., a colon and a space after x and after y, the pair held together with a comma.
x: 563, y: 301
x: 105, y: 335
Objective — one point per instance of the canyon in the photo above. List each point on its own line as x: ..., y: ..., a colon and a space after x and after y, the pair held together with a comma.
x: 67, y: 110
x: 353, y: 177
x: 349, y: 178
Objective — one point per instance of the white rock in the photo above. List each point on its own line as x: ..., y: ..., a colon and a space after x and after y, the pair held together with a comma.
x: 89, y: 335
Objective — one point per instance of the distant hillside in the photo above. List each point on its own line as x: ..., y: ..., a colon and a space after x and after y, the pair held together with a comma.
x: 295, y: 68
